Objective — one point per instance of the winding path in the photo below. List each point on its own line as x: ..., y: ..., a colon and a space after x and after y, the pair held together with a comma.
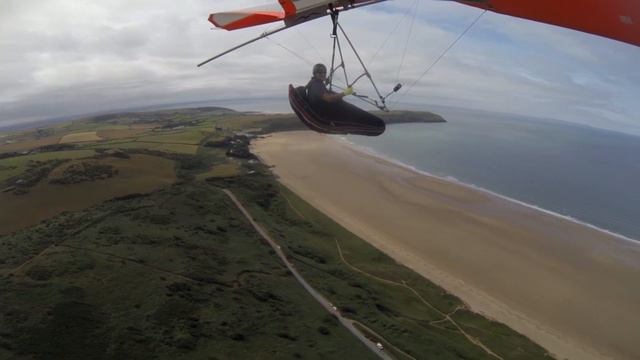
x: 445, y: 317
x: 347, y: 323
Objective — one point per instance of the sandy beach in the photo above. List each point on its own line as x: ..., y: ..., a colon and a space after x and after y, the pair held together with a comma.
x: 570, y: 288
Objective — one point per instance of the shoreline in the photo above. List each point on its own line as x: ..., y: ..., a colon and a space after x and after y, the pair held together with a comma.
x: 528, y: 268
x: 370, y: 152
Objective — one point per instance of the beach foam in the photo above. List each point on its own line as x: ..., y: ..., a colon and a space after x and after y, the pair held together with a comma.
x: 372, y: 152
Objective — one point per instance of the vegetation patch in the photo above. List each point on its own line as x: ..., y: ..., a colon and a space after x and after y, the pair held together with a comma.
x: 80, y: 137
x: 175, y: 274
x: 117, y: 153
x: 111, y: 134
x: 35, y: 172
x: 236, y: 146
x: 139, y: 174
x: 84, y: 172
x: 222, y: 170
x: 27, y: 144
x: 186, y: 137
x: 14, y: 166
x: 72, y: 330
x: 159, y: 146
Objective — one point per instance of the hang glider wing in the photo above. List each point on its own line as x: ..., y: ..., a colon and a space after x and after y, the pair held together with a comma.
x: 292, y: 12
x: 615, y: 19
x: 247, y: 17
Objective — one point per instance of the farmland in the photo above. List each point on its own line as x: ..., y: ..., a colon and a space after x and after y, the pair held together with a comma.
x: 139, y: 174
x: 16, y: 165
x: 80, y: 137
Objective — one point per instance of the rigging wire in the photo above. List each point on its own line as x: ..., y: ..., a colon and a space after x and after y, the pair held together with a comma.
x: 322, y: 59
x: 291, y: 51
x: 375, y: 56
x: 406, y: 44
x: 440, y: 57
x: 336, y: 45
x: 287, y: 49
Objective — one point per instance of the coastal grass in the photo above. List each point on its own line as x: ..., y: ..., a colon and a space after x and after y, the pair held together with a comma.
x: 165, y: 147
x: 111, y: 134
x: 27, y: 144
x: 145, y: 126
x: 80, y: 137
x: 139, y: 174
x: 190, y: 137
x: 387, y: 346
x: 177, y: 273
x: 14, y: 166
x: 398, y: 305
x: 222, y: 170
x: 158, y: 146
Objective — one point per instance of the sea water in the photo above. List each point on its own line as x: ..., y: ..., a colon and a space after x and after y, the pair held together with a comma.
x: 587, y: 174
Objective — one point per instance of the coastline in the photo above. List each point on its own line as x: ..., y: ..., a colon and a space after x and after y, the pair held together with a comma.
x: 451, y: 179
x: 507, y: 260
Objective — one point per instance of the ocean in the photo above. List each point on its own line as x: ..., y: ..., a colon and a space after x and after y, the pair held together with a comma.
x: 587, y: 174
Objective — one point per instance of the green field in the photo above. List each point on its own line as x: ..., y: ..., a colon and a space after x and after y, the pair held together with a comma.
x: 178, y: 274
x: 159, y: 146
x: 140, y: 173
x: 222, y: 170
x: 190, y: 137
x: 16, y: 165
x: 20, y: 144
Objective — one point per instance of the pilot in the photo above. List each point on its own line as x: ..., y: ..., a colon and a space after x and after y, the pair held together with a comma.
x: 317, y: 92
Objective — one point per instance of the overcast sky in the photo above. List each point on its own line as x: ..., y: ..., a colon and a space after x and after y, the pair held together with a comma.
x: 66, y: 57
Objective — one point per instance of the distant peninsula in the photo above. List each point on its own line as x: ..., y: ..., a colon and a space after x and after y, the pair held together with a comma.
x: 289, y: 122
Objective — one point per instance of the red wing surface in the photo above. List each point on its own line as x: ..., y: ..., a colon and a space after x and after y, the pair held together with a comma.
x: 615, y: 19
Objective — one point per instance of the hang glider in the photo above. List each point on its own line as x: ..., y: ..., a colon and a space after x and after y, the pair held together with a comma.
x: 615, y: 19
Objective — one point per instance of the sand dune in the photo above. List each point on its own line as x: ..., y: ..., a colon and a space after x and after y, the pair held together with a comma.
x: 571, y: 288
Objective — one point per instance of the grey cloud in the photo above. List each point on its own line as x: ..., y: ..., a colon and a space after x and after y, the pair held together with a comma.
x: 62, y: 57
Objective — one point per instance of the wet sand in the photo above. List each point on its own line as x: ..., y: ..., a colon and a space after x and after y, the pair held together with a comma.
x: 573, y: 289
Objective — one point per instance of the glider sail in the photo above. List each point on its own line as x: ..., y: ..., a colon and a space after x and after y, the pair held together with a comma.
x: 292, y: 12
x: 614, y: 19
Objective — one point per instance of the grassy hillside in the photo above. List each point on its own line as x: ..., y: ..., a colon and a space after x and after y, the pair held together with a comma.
x: 175, y: 274
x: 137, y: 174
x: 407, y: 311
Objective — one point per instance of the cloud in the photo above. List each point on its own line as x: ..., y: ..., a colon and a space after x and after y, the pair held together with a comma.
x: 63, y: 57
